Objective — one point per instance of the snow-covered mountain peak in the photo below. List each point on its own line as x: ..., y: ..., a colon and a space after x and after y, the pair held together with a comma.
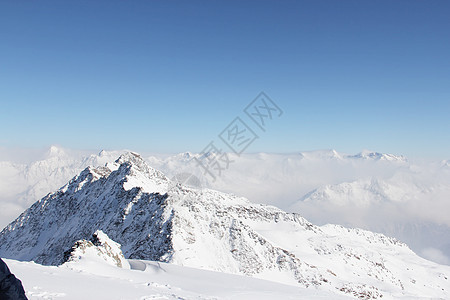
x: 363, y: 192
x: 131, y: 157
x: 371, y: 155
x: 133, y: 161
x: 55, y: 151
x: 102, y: 153
x: 137, y: 173
x: 129, y: 171
x: 185, y: 155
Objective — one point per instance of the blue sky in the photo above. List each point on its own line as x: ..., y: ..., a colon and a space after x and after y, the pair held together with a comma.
x: 168, y: 76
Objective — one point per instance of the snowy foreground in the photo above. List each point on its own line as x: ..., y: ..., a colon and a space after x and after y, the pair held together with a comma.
x: 148, y: 280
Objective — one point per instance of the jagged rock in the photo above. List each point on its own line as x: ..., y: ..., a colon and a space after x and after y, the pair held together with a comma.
x: 100, y: 246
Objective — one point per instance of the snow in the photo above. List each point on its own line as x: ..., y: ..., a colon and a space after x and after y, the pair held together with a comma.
x: 210, y: 230
x: 149, y: 280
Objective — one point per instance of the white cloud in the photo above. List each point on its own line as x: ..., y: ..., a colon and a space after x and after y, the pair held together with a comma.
x: 435, y: 255
x: 8, y: 212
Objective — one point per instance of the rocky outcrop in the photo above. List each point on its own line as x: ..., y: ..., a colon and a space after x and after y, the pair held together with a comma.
x: 100, y: 246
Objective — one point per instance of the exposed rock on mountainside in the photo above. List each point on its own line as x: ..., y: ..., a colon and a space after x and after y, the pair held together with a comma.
x: 100, y: 246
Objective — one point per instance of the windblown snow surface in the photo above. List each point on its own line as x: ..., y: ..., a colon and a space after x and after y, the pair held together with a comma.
x: 149, y: 281
x: 155, y: 219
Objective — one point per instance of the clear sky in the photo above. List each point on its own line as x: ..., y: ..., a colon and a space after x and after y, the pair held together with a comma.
x: 169, y: 76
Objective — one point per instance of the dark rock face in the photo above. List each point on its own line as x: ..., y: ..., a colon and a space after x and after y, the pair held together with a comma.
x: 10, y: 287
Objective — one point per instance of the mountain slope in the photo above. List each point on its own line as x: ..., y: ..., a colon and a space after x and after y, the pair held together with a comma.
x: 155, y: 219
